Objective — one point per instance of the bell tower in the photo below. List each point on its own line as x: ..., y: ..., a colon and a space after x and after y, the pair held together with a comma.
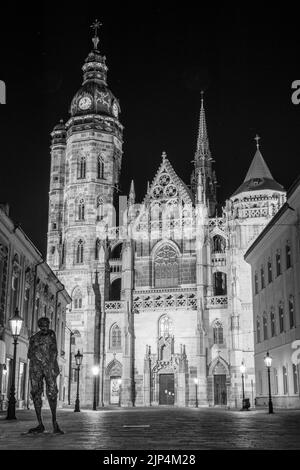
x: 86, y: 155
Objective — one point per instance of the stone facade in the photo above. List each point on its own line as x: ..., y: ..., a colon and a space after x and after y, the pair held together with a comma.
x: 275, y: 263
x: 162, y: 300
x: 27, y: 283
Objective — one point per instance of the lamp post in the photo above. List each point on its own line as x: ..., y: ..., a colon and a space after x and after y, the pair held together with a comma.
x: 120, y: 388
x: 15, y: 324
x: 268, y: 362
x: 196, y: 385
x: 95, y: 370
x: 78, y: 360
x: 243, y: 370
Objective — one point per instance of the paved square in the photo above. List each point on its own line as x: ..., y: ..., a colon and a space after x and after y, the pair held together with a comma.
x: 156, y: 428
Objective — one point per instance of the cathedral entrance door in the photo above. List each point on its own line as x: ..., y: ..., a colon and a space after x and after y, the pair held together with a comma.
x: 166, y: 389
x: 220, y: 389
x: 115, y: 390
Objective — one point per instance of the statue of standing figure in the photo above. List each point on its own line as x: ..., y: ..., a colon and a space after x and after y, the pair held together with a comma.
x: 42, y: 353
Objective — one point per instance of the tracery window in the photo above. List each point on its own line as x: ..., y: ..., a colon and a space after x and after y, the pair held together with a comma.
x: 100, y: 208
x: 100, y: 167
x: 79, y: 251
x: 115, y: 337
x: 81, y: 209
x: 166, y: 273
x: 218, y: 332
x: 165, y: 327
x: 81, y: 168
x: 77, y: 298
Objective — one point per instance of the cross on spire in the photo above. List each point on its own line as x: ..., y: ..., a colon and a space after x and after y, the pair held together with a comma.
x: 257, y: 138
x: 95, y: 26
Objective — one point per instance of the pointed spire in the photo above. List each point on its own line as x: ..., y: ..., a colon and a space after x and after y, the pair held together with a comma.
x: 131, y: 197
x: 202, y: 150
x: 258, y: 167
x: 258, y: 176
x: 163, y: 156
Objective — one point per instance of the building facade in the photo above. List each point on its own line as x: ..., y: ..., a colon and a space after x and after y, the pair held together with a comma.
x: 275, y: 262
x: 27, y: 283
x: 161, y: 299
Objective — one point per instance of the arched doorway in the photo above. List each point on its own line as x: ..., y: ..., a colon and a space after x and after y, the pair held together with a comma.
x: 218, y: 382
x: 113, y: 383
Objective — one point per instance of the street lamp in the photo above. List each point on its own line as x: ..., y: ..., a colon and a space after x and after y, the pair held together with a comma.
x: 196, y: 385
x: 15, y: 324
x: 268, y: 362
x: 243, y: 370
x: 95, y: 371
x: 78, y: 360
x: 120, y: 385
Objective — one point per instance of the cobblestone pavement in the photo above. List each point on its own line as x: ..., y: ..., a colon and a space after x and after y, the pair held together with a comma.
x: 163, y: 428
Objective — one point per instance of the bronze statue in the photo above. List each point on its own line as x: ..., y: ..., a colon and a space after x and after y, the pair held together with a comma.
x: 42, y: 353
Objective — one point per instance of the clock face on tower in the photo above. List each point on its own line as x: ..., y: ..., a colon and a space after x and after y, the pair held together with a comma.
x: 85, y: 102
x: 115, y: 109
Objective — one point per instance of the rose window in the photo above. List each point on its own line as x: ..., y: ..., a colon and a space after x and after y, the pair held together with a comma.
x: 170, y: 190
x: 157, y: 191
x: 164, y: 179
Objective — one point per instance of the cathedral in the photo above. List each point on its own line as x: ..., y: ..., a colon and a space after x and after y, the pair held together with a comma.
x: 161, y: 294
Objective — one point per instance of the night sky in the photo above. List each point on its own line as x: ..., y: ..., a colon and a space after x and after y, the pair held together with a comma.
x: 159, y: 56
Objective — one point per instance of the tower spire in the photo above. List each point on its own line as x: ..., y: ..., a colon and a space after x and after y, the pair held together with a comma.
x: 202, y: 150
x: 95, y: 39
x: 131, y: 198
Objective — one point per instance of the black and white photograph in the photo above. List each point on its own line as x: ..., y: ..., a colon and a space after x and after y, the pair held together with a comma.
x: 149, y: 230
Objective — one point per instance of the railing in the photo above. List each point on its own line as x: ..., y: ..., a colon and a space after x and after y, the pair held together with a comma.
x: 218, y: 301
x: 157, y: 302
x: 113, y: 306
x: 218, y: 259
x: 115, y: 265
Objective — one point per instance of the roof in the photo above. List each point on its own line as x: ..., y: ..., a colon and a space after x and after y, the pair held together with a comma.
x: 258, y: 177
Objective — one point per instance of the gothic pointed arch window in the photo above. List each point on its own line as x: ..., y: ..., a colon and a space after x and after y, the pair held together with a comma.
x: 165, y: 327
x: 100, y: 167
x: 81, y: 168
x: 81, y: 209
x: 218, y: 244
x: 220, y: 283
x: 100, y: 208
x: 166, y: 272
x: 79, y: 251
x: 97, y: 248
x: 77, y: 298
x: 218, y: 337
x: 115, y: 337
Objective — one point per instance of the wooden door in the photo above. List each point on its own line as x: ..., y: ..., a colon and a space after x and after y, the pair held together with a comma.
x: 220, y: 393
x: 166, y: 389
